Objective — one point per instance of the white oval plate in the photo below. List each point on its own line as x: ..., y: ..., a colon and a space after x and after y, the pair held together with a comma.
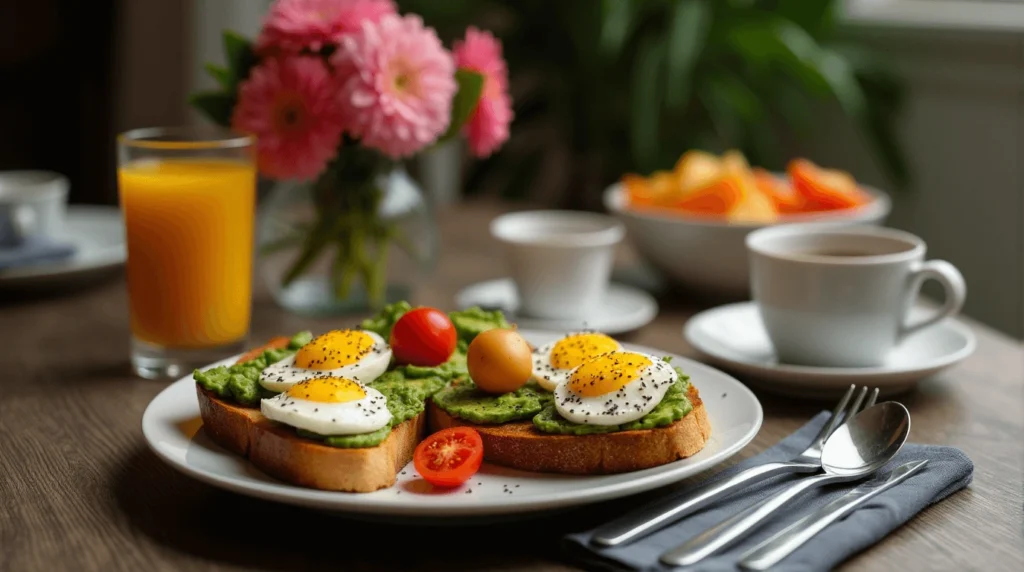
x: 171, y: 425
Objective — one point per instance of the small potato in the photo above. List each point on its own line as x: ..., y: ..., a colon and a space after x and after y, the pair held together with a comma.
x: 499, y: 361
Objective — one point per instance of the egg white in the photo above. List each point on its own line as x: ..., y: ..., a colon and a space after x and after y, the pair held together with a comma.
x: 281, y: 375
x: 545, y: 373
x: 634, y: 400
x: 350, y: 418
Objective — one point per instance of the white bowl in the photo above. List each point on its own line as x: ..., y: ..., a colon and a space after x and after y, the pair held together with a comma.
x: 708, y: 256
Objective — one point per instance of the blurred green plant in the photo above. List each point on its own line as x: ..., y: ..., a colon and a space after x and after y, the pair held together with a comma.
x: 620, y: 86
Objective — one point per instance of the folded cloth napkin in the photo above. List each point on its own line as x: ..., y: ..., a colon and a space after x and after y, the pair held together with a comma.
x: 33, y: 251
x: 948, y: 470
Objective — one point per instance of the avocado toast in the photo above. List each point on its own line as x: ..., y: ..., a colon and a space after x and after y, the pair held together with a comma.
x: 230, y: 400
x: 590, y: 407
x: 521, y: 445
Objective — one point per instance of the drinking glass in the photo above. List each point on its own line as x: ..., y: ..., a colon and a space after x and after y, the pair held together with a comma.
x: 188, y: 197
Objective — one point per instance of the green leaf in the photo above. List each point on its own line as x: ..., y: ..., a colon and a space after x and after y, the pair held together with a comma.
x: 687, y: 32
x: 240, y: 57
x: 731, y: 91
x: 775, y: 42
x: 645, y: 102
x: 616, y: 20
x: 471, y: 85
x: 815, y: 16
x: 222, y: 75
x: 215, y: 105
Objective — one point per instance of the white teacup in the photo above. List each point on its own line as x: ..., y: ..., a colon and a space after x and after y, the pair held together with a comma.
x: 32, y: 203
x: 842, y: 297
x: 560, y: 261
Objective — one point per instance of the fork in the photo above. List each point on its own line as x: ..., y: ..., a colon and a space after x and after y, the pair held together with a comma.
x: 659, y: 514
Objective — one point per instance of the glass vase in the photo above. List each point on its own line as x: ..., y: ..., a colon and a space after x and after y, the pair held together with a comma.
x: 351, y: 271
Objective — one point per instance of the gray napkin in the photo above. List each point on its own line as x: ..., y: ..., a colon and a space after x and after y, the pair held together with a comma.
x: 33, y: 251
x: 948, y: 470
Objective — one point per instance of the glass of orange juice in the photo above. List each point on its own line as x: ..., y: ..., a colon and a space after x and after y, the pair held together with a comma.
x: 188, y: 197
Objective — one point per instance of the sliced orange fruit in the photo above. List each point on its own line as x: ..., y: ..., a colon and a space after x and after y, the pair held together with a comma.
x: 696, y: 169
x: 661, y: 188
x: 757, y: 207
x: 720, y: 197
x: 779, y: 191
x: 825, y: 189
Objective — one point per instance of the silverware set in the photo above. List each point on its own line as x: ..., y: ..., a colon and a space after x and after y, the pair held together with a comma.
x: 859, y: 438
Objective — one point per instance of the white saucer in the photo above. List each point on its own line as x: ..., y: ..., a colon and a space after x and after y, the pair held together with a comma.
x: 623, y: 309
x: 97, y: 232
x: 733, y: 337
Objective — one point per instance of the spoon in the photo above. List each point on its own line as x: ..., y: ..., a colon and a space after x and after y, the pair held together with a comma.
x: 854, y: 451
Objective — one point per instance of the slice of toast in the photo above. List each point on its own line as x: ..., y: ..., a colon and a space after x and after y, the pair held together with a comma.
x: 227, y: 424
x: 519, y: 445
x: 278, y: 451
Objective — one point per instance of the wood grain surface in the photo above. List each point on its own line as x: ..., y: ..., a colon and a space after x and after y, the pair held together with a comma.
x: 79, y: 489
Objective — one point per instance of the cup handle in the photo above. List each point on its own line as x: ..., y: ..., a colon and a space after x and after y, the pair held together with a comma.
x: 952, y: 282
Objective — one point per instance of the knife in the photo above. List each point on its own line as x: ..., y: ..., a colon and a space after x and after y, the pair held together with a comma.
x: 773, y: 550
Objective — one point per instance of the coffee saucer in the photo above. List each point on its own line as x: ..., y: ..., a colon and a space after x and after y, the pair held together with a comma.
x: 98, y: 235
x: 623, y: 309
x: 733, y: 337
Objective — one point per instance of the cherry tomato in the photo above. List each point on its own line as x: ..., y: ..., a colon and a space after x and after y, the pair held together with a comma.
x: 423, y: 336
x: 449, y: 457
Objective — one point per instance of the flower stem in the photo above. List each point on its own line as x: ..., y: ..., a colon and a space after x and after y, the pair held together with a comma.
x: 347, y: 197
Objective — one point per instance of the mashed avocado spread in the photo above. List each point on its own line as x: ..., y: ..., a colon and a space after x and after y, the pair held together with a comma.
x: 241, y: 382
x: 465, y: 401
x: 673, y: 407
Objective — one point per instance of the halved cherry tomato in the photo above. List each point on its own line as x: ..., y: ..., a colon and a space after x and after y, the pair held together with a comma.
x: 825, y: 189
x: 449, y: 457
x: 423, y: 336
x: 274, y: 344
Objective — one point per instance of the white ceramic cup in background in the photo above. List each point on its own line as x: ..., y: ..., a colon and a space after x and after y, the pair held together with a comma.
x: 842, y: 297
x: 560, y: 261
x: 32, y: 203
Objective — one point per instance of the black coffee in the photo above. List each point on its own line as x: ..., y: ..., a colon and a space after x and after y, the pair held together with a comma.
x: 837, y: 252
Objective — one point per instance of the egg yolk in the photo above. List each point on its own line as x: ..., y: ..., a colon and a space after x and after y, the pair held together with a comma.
x: 573, y: 350
x: 334, y: 349
x: 327, y: 390
x: 607, y: 373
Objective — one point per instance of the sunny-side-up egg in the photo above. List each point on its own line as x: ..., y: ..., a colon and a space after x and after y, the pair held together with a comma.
x: 329, y: 406
x: 359, y: 355
x: 614, y: 388
x: 553, y: 363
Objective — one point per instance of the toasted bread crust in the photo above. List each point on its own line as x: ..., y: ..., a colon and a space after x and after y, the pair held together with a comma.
x: 227, y: 424
x: 277, y: 451
x: 521, y: 446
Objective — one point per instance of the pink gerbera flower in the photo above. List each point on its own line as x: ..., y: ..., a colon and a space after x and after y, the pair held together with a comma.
x: 487, y: 128
x: 288, y: 103
x: 396, y: 84
x: 295, y: 25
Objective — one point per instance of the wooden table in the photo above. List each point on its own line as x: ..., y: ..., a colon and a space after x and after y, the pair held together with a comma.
x: 80, y: 490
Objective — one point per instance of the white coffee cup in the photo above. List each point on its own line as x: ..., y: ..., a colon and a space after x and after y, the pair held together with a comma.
x: 842, y: 297
x: 560, y: 261
x: 32, y: 203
